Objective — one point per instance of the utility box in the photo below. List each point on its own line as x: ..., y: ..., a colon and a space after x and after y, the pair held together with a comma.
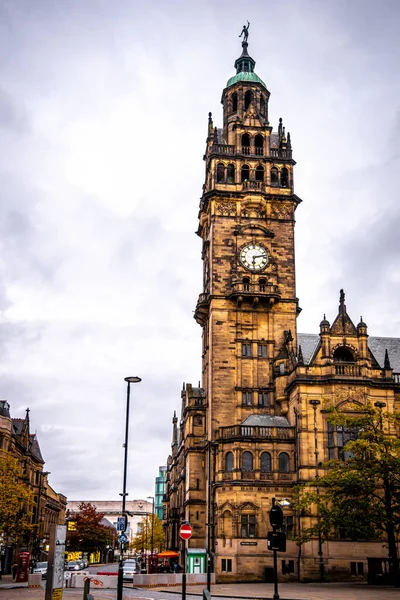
x: 196, y: 560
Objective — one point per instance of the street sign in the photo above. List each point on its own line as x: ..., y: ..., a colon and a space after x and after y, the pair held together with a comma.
x: 123, y: 538
x: 276, y: 541
x: 122, y: 523
x: 276, y: 516
x: 185, y: 531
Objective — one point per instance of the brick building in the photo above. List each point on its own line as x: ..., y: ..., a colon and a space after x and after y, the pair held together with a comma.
x: 256, y: 426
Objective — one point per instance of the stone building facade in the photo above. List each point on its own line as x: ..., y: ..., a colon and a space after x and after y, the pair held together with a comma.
x: 48, y: 507
x: 257, y: 427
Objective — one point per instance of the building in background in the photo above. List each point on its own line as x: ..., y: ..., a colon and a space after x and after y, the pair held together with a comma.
x: 251, y: 431
x: 112, y: 509
x: 48, y: 507
x: 160, y: 491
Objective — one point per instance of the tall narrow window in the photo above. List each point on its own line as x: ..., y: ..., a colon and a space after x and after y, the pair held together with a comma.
x: 246, y: 143
x: 274, y: 177
x: 262, y: 350
x: 245, y: 173
x: 220, y: 173
x: 262, y: 105
x: 231, y: 174
x: 229, y: 462
x: 234, y: 102
x: 262, y: 283
x: 246, y: 284
x: 247, y: 99
x: 247, y: 398
x: 262, y: 398
x: 284, y: 462
x: 248, y: 526
x: 246, y: 349
x: 247, y: 461
x: 265, y: 462
x: 260, y: 173
x: 259, y: 145
x: 284, y: 177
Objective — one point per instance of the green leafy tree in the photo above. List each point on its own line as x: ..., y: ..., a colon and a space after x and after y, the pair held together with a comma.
x: 88, y: 534
x: 16, y: 500
x: 360, y: 494
x: 142, y: 541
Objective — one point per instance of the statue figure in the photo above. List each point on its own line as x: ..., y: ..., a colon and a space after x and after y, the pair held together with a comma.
x: 245, y: 32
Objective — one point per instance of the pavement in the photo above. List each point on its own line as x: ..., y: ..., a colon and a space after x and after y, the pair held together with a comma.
x: 247, y: 591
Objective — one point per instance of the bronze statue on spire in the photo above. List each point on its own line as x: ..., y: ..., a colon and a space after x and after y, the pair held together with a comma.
x: 245, y: 32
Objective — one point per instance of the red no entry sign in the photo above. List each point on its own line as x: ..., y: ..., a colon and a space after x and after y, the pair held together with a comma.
x: 185, y: 531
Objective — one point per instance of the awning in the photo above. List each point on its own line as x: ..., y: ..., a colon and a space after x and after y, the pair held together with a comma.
x: 168, y: 554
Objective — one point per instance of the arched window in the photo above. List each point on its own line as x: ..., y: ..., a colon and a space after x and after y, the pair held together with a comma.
x: 259, y: 145
x: 284, y: 462
x: 247, y: 461
x: 234, y: 102
x: 260, y: 173
x: 229, y: 462
x: 245, y: 173
x: 246, y: 284
x: 274, y: 177
x: 247, y: 99
x: 343, y: 355
x: 231, y: 174
x: 284, y: 177
x: 246, y: 143
x: 262, y: 284
x: 220, y: 173
x: 197, y: 420
x: 265, y: 462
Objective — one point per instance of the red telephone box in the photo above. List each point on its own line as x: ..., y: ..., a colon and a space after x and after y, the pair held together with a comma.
x: 22, y: 567
x: 152, y: 563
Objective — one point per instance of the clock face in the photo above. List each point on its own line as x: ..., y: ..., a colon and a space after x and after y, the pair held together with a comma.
x: 254, y: 257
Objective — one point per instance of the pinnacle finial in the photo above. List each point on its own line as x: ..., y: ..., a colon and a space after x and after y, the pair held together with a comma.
x: 387, y: 361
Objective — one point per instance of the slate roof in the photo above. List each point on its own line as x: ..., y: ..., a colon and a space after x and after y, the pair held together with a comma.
x: 377, y: 345
x: 266, y: 421
x: 35, y: 448
x: 18, y: 425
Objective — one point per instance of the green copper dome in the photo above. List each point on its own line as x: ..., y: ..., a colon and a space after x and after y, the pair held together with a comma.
x: 244, y: 66
x: 245, y: 76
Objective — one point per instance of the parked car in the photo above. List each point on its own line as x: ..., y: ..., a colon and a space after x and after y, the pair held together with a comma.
x: 74, y: 565
x: 41, y: 567
x: 129, y: 569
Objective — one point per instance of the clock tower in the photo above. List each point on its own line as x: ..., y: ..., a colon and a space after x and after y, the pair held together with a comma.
x: 258, y: 423
x: 247, y: 310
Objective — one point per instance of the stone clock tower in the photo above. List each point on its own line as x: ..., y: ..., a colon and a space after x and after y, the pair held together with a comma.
x: 258, y: 423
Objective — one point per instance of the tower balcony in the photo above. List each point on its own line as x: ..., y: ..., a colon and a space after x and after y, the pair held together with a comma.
x: 202, y: 308
x: 255, y: 291
x: 256, y: 432
x: 232, y: 150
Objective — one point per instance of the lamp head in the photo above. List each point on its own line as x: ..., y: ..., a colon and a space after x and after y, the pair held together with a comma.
x: 132, y: 379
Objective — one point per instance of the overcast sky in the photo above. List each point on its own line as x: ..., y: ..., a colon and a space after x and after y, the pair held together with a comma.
x: 103, y: 122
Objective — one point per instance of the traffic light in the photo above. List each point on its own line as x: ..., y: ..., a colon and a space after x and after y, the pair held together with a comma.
x: 276, y: 516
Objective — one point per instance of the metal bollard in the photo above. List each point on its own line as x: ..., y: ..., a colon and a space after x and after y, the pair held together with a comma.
x: 86, y: 589
x: 206, y: 594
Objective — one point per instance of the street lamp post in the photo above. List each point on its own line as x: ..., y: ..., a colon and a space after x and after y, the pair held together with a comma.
x: 314, y: 404
x: 152, y: 524
x: 128, y: 380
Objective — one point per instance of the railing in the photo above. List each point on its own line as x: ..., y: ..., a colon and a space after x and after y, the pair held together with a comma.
x: 266, y: 289
x: 256, y: 475
x: 223, y: 148
x: 281, y: 153
x: 253, y: 185
x: 257, y: 431
x: 230, y: 149
x: 350, y: 369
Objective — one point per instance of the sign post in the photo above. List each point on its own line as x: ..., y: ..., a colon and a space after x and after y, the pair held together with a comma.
x: 185, y: 532
x: 55, y: 572
x: 276, y: 540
